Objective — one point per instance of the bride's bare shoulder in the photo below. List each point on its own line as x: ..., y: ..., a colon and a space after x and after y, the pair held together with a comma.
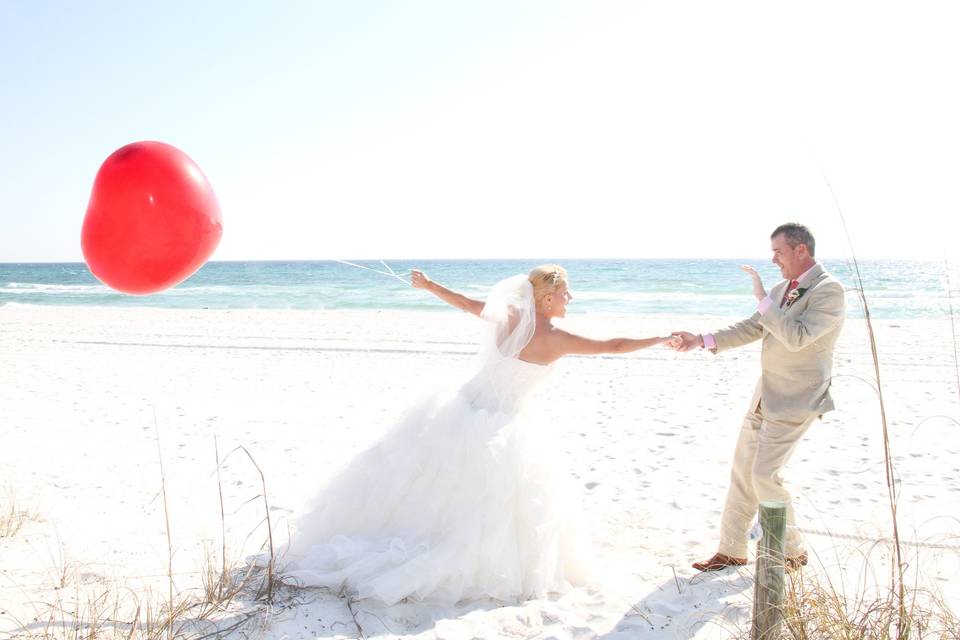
x: 546, y: 345
x: 547, y: 333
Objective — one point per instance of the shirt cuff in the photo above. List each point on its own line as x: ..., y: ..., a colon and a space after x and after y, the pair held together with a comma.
x: 709, y: 342
x: 764, y: 305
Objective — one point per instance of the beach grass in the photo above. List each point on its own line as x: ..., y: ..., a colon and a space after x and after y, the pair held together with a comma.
x: 814, y: 609
x: 230, y: 594
x: 113, y: 612
x: 12, y: 516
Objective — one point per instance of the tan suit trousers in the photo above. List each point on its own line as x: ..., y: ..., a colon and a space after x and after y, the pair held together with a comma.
x: 763, y: 448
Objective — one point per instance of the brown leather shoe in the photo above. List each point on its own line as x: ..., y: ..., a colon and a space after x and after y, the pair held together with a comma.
x: 794, y: 563
x: 719, y: 561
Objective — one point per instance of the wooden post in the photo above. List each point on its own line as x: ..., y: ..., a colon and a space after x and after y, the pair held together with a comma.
x: 769, y: 581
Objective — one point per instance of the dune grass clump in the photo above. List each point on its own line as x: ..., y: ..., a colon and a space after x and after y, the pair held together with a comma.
x: 815, y: 610
x: 230, y: 594
x: 12, y: 516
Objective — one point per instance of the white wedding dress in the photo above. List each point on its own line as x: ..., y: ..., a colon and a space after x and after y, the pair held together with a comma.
x: 461, y: 499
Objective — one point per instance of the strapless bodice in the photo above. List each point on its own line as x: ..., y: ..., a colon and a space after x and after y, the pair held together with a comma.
x: 502, y: 386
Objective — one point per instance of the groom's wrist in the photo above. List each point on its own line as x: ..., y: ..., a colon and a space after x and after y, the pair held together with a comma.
x: 764, y: 304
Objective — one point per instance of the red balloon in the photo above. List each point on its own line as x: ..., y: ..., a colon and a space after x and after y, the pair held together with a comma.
x: 152, y: 221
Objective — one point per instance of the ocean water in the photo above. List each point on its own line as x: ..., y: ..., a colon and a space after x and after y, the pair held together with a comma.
x: 894, y: 289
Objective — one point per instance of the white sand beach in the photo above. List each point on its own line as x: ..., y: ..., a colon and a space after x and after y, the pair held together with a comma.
x: 85, y: 393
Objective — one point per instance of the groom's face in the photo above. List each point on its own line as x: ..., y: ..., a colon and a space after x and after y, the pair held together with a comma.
x: 788, y: 258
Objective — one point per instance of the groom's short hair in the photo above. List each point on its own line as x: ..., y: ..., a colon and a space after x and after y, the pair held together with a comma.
x: 795, y: 233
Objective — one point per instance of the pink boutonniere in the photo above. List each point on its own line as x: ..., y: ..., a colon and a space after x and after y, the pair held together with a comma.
x: 795, y: 295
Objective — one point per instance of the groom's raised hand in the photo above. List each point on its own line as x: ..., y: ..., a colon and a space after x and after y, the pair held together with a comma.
x: 686, y: 341
x: 758, y: 291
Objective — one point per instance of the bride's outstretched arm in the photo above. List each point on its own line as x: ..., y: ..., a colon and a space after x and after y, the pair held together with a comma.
x: 419, y: 280
x: 570, y: 343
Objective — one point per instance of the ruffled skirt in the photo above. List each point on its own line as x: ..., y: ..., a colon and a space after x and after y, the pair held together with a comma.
x: 454, y: 503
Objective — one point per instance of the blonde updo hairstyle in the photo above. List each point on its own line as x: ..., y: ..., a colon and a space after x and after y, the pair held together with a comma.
x: 546, y: 279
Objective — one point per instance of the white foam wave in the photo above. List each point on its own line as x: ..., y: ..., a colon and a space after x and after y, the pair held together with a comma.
x: 651, y: 296
x: 33, y: 287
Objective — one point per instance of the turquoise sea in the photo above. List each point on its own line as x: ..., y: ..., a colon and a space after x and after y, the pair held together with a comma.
x: 894, y: 289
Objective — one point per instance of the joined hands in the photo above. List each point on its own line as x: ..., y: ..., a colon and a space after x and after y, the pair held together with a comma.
x: 673, y: 341
x: 685, y: 341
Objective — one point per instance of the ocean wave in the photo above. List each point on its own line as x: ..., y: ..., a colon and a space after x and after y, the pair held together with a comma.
x: 237, y: 289
x: 643, y: 287
x: 37, y: 287
x: 654, y: 296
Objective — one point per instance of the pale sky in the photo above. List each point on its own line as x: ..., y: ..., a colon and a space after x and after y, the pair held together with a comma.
x: 439, y: 129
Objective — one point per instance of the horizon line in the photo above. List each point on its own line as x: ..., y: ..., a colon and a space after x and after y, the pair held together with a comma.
x: 504, y: 259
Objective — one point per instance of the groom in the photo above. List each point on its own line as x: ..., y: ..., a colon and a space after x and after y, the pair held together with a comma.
x: 799, y: 323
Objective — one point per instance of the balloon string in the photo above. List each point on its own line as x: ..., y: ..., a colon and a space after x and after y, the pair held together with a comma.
x: 390, y: 272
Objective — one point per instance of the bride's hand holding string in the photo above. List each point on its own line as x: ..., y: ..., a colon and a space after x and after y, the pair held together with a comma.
x: 418, y: 279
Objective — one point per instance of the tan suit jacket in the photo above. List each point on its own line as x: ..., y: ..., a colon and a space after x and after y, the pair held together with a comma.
x: 797, y: 350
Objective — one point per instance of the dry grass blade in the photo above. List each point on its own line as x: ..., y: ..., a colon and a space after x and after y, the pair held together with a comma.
x: 266, y: 504
x: 11, y: 517
x: 953, y: 328
x: 897, y: 568
x: 219, y: 584
x: 133, y: 627
x: 166, y: 516
x: 353, y: 614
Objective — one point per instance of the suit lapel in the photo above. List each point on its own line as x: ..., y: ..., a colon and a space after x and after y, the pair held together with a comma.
x: 778, y: 292
x: 815, y: 275
x: 809, y: 281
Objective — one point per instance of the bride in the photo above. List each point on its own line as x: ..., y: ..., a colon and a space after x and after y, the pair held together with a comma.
x: 460, y: 499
